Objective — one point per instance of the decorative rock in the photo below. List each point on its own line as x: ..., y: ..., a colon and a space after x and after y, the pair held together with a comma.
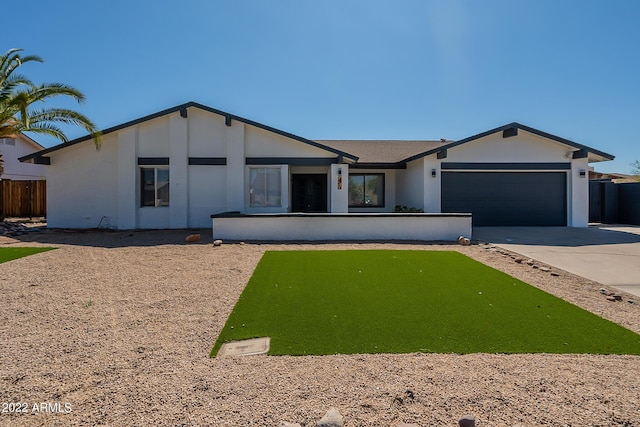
x: 286, y: 424
x: 331, y: 419
x: 530, y: 261
x: 632, y: 301
x: 217, y: 242
x: 611, y: 298
x: 519, y: 260
x: 192, y: 238
x: 545, y: 269
x: 461, y: 240
x: 553, y: 273
x: 467, y: 421
x: 242, y: 243
x: 617, y: 297
x: 534, y: 266
x: 603, y: 291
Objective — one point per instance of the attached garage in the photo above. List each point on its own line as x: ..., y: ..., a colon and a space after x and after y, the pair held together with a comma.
x: 507, y: 198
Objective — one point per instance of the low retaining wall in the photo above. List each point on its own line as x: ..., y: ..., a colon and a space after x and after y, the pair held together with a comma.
x: 373, y: 226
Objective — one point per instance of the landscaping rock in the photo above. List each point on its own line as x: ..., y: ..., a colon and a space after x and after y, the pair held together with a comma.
x: 11, y: 229
x: 545, y: 269
x: 534, y: 266
x: 217, y: 242
x: 192, y: 238
x: 286, y: 424
x: 467, y: 421
x: 519, y: 260
x: 530, y: 261
x: 461, y: 240
x: 555, y: 274
x: 632, y: 301
x: 603, y: 291
x: 617, y: 297
x: 331, y: 419
x: 611, y: 298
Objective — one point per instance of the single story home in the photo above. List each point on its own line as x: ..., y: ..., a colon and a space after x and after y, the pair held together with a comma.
x: 178, y: 167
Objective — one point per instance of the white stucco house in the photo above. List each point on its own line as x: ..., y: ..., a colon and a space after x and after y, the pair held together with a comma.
x: 14, y: 148
x: 178, y: 167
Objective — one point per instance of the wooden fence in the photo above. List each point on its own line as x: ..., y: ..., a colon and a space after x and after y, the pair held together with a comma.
x: 24, y: 199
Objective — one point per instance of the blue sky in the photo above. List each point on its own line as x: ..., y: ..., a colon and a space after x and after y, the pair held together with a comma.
x: 347, y: 69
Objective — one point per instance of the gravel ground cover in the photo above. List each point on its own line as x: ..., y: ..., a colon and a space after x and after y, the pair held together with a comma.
x: 114, y: 328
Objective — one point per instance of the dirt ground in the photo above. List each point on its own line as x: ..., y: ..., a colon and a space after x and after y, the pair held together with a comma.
x: 114, y: 328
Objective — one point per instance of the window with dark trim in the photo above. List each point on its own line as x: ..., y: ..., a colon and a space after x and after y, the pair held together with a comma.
x: 154, y: 190
x: 366, y: 190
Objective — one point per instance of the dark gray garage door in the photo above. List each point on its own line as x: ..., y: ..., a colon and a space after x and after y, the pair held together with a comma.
x: 507, y: 198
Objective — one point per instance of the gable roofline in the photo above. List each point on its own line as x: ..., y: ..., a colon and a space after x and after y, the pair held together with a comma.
x: 180, y: 108
x: 512, y: 125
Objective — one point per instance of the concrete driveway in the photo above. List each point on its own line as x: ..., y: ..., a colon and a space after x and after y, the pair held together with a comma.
x: 607, y: 254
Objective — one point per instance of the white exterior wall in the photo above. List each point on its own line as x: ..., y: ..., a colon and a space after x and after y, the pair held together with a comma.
x: 342, y: 227
x: 339, y: 197
x: 410, y: 185
x: 578, y: 206
x: 432, y: 185
x: 15, y: 170
x: 82, y: 186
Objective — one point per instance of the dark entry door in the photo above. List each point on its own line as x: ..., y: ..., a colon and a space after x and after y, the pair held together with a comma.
x: 309, y: 192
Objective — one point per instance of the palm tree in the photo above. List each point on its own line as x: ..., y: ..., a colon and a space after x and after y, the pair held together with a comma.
x: 19, y: 95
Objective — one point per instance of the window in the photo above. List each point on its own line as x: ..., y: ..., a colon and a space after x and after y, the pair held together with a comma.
x: 155, y: 186
x: 366, y: 190
x: 265, y: 187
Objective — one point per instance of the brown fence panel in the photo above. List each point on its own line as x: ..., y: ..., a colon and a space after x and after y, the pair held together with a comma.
x: 23, y: 198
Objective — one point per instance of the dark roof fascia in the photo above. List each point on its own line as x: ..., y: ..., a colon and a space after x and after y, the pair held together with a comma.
x: 379, y: 165
x: 509, y: 126
x: 181, y: 108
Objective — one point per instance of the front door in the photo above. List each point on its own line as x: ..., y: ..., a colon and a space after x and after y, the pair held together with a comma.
x: 309, y: 192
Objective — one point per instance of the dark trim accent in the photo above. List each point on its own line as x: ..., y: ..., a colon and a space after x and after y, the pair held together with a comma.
x: 518, y: 126
x: 378, y: 166
x: 153, y: 161
x: 506, y: 166
x: 208, y: 161
x: 442, y: 154
x: 41, y: 160
x: 293, y: 161
x: 580, y: 154
x: 510, y: 132
x: 228, y: 117
x: 183, y: 113
x: 227, y: 121
x: 340, y: 215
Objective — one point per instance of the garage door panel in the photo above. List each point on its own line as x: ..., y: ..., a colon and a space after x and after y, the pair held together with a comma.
x: 507, y: 198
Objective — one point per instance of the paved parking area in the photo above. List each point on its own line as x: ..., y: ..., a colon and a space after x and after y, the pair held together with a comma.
x: 607, y: 254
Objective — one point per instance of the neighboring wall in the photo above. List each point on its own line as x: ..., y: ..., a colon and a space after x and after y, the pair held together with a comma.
x: 11, y: 150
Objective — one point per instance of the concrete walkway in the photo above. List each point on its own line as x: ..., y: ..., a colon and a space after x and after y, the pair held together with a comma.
x: 606, y: 254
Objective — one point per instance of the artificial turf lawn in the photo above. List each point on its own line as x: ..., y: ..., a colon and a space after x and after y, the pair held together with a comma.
x: 385, y: 301
x: 8, y: 254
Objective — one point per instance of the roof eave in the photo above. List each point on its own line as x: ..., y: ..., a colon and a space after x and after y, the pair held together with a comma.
x: 180, y: 108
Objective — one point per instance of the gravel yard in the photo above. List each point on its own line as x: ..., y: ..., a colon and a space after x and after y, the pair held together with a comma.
x: 114, y: 328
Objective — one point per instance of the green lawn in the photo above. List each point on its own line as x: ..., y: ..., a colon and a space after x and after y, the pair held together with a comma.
x: 326, y: 302
x: 7, y: 254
